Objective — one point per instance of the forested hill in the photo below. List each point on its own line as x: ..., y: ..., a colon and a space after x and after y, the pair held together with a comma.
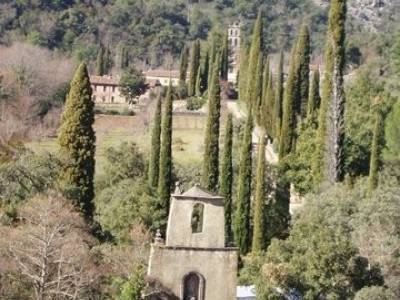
x: 152, y: 29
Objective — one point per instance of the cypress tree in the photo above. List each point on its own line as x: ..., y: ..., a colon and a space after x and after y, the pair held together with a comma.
x: 258, y: 86
x: 100, y: 62
x: 205, y: 73
x: 259, y: 205
x: 242, y: 229
x: 194, y: 67
x: 226, y: 178
x: 225, y: 58
x: 198, y: 83
x: 303, y: 59
x: 184, y: 63
x: 165, y: 173
x: 155, y: 146
x: 211, y: 140
x: 108, y: 63
x: 213, y: 56
x: 278, y: 98
x: 253, y: 74
x: 328, y: 159
x: 314, y: 98
x: 268, y: 105
x: 261, y: 105
x: 243, y: 68
x: 77, y: 141
x: 288, y: 123
x: 375, y: 149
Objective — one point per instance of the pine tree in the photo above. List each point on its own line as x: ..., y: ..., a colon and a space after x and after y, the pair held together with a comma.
x: 288, y: 127
x: 226, y: 178
x: 100, y: 62
x: 328, y: 157
x: 194, y: 67
x: 375, y: 149
x: 225, y: 58
x: 211, y: 140
x: 77, y: 141
x: 242, y: 228
x: 165, y: 173
x: 155, y: 146
x: 314, y: 98
x: 278, y: 98
x: 259, y: 227
x: 303, y: 59
x: 253, y: 74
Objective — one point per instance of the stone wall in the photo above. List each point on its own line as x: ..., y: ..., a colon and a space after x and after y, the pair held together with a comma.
x: 218, y: 266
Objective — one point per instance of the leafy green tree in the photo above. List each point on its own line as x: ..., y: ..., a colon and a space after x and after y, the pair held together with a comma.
x: 328, y: 160
x: 288, y: 127
x: 132, y: 84
x: 194, y: 67
x: 211, y: 141
x: 242, y: 228
x: 253, y: 70
x: 278, y: 98
x: 303, y: 59
x: 314, y: 99
x: 78, y: 142
x: 154, y: 160
x: 132, y: 289
x: 165, y: 173
x: 226, y: 178
x: 259, y: 228
x: 376, y: 293
x: 100, y: 62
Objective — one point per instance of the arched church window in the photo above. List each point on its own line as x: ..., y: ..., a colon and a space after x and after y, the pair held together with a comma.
x: 193, y: 285
x: 197, y: 218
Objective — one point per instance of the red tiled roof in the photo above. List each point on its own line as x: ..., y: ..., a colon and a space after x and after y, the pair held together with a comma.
x: 104, y: 80
x: 162, y: 73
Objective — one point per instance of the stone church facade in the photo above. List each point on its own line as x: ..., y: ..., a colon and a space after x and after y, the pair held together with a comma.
x: 194, y: 263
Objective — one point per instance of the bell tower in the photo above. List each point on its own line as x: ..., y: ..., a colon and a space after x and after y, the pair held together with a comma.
x: 234, y: 38
x: 193, y: 263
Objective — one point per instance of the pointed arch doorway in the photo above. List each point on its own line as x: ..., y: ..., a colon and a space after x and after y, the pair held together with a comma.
x: 192, y: 287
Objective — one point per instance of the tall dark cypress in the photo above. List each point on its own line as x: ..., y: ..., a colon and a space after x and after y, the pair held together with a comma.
x: 165, y: 173
x: 108, y: 62
x: 288, y: 127
x: 375, y: 148
x: 225, y: 58
x: 205, y: 73
x: 264, y: 89
x: 243, y: 68
x: 194, y: 67
x: 328, y: 158
x: 242, y: 224
x: 253, y: 72
x: 100, y: 62
x: 77, y: 141
x: 198, y: 89
x: 226, y: 178
x: 303, y: 59
x: 278, y: 98
x: 211, y: 140
x: 184, y: 64
x: 314, y: 98
x: 268, y: 107
x: 259, y: 228
x: 155, y: 146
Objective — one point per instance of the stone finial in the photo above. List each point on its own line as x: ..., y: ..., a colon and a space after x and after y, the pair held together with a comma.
x: 158, y: 239
x: 178, y: 190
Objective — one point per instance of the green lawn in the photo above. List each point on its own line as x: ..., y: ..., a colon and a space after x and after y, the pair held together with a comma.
x: 187, y: 143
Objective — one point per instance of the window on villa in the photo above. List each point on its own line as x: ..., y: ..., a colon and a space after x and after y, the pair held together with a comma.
x: 197, y: 218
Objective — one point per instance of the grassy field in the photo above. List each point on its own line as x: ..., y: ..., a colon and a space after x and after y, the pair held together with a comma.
x: 111, y: 131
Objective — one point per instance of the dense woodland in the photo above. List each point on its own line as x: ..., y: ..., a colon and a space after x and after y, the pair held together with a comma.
x: 319, y: 84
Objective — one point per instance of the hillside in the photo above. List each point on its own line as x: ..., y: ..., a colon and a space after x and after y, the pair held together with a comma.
x: 152, y: 30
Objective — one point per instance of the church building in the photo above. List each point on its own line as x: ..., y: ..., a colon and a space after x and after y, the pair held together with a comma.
x: 193, y: 263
